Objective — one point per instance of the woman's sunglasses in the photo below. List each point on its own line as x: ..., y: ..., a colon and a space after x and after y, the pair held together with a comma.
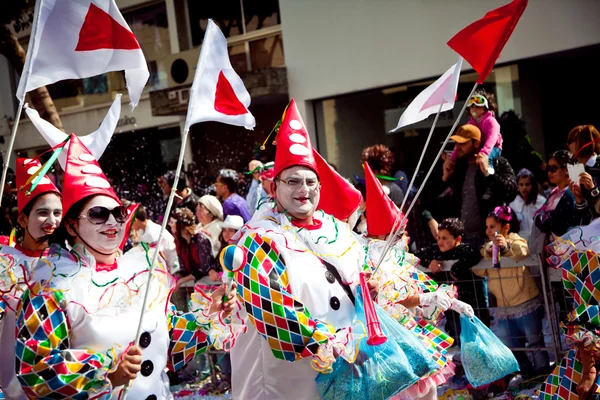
x: 99, y: 215
x: 553, y: 168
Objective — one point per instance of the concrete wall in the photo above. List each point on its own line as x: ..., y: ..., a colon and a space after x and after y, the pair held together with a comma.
x: 341, y: 46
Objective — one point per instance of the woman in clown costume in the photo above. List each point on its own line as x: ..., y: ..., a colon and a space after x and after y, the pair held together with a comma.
x: 40, y: 212
x: 577, y: 254
x: 298, y: 279
x: 402, y: 285
x: 77, y: 321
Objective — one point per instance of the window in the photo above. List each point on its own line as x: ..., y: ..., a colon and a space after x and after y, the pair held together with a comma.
x: 367, y: 117
x: 227, y: 14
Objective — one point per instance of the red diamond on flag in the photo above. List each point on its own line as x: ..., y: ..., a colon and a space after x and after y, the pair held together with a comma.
x: 101, y: 31
x: 226, y: 101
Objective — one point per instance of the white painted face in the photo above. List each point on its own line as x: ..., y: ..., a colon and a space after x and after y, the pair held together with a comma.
x: 45, y: 216
x: 298, y: 191
x: 105, y: 237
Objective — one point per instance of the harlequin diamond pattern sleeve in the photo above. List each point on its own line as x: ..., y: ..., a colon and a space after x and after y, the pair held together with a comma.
x: 283, y: 321
x: 187, y: 338
x: 46, y: 364
x: 581, y: 279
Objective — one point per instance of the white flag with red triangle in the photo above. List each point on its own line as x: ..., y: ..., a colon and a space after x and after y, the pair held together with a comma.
x: 429, y: 100
x: 75, y: 39
x: 218, y: 93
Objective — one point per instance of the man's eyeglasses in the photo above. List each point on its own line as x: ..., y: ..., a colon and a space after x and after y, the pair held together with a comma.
x: 99, y: 215
x: 295, y: 183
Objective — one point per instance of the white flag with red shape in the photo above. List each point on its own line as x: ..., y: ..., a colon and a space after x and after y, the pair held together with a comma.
x: 76, y: 39
x: 429, y: 100
x: 218, y: 93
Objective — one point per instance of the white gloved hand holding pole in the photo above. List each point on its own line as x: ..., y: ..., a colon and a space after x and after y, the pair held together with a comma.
x: 462, y: 308
x: 435, y: 299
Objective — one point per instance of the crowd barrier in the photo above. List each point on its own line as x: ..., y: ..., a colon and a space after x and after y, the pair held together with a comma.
x: 555, y: 301
x: 549, y: 281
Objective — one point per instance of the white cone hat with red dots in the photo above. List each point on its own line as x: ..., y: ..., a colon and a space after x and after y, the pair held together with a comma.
x: 83, y: 176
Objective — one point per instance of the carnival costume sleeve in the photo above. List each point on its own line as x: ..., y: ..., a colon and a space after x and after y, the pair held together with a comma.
x: 266, y: 295
x: 580, y: 280
x: 577, y: 254
x: 188, y: 338
x: 46, y: 364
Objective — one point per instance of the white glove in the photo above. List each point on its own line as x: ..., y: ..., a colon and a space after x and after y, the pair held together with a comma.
x: 439, y: 300
x: 462, y: 308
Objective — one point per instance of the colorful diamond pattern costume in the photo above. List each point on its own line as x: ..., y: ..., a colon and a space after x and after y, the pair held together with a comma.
x: 279, y: 317
x: 581, y: 279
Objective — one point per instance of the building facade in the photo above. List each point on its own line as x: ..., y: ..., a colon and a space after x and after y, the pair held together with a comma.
x: 147, y: 140
x: 351, y: 65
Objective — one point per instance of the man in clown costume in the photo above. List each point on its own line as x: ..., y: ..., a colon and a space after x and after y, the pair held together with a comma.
x: 299, y: 274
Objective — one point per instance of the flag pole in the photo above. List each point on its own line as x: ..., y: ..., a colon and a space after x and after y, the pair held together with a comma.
x: 163, y: 228
x: 389, y: 239
x: 397, y: 230
x: 11, y: 145
x: 13, y: 134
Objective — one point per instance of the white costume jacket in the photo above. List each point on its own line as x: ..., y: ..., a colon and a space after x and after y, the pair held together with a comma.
x: 79, y: 317
x: 295, y: 307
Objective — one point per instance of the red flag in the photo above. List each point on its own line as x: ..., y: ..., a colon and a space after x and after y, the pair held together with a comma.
x: 481, y: 42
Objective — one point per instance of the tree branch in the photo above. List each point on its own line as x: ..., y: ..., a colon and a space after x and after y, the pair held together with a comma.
x: 40, y: 97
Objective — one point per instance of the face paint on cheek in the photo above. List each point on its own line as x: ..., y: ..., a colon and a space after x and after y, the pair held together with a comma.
x: 299, y: 201
x: 106, y: 237
x: 45, y: 216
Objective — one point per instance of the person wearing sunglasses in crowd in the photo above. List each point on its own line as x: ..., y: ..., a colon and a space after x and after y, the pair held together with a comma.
x: 584, y: 144
x: 557, y: 214
x: 77, y: 321
x: 40, y: 213
x: 482, y: 108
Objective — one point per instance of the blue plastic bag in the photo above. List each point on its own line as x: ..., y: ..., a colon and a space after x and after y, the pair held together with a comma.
x: 485, y: 358
x: 379, y: 372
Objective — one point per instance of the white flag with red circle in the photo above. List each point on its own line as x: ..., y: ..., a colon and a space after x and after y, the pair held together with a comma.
x: 218, y: 93
x: 76, y: 39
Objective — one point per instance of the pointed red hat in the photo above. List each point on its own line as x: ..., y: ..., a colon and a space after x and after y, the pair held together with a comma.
x: 25, y: 168
x: 293, y: 142
x: 338, y: 196
x: 131, y: 211
x: 83, y: 176
x: 381, y: 210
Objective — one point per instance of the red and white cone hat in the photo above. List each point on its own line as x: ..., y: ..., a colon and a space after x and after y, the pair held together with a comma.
x: 293, y: 142
x: 381, y: 210
x: 338, y: 196
x: 83, y: 176
x: 26, y: 167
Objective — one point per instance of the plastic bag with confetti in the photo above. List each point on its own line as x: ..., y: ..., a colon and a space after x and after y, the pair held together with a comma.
x: 378, y: 372
x: 484, y: 357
